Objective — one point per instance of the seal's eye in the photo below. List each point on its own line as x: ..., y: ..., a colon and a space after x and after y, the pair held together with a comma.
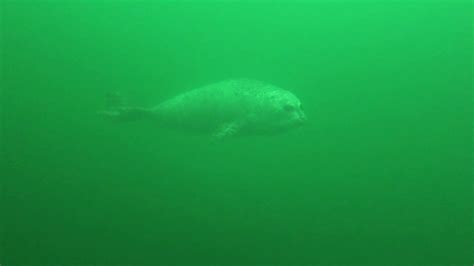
x: 288, y: 108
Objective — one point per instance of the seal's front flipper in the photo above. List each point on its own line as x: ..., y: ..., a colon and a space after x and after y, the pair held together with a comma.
x: 226, y: 130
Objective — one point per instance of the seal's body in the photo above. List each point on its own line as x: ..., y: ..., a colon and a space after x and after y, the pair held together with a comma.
x: 226, y: 108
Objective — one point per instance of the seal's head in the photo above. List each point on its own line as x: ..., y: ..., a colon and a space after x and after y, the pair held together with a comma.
x: 280, y: 111
x: 288, y: 110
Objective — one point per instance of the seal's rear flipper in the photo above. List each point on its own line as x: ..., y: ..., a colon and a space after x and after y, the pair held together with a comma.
x: 113, y: 100
x: 116, y: 109
x: 126, y: 113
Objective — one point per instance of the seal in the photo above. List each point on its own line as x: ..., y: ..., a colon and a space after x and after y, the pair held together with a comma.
x: 234, y: 107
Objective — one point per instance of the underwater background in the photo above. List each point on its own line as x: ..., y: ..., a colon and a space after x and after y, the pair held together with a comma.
x: 381, y: 173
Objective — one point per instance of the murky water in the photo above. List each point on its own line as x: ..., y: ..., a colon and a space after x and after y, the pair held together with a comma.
x: 381, y: 172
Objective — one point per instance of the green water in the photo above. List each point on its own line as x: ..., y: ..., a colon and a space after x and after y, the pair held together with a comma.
x: 382, y: 172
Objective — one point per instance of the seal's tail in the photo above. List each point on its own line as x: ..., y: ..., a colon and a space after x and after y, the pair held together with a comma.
x: 114, y: 100
x: 117, y: 110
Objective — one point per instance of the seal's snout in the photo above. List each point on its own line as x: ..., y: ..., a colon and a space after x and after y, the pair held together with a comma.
x: 302, y: 119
